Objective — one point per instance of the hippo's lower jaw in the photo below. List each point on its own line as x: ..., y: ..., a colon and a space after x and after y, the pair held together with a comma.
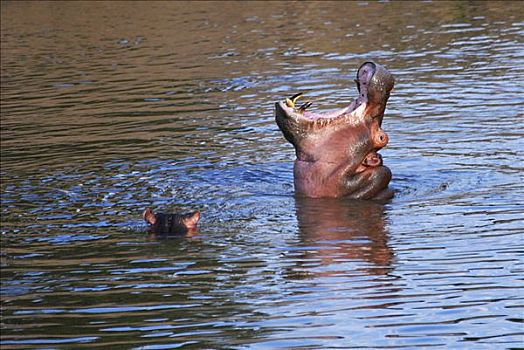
x: 366, y: 182
x: 371, y: 183
x: 337, y: 151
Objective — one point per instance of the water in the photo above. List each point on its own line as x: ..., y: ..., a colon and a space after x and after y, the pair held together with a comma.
x: 108, y: 108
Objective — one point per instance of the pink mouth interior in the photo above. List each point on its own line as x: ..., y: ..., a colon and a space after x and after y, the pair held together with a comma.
x: 365, y: 74
x: 334, y: 114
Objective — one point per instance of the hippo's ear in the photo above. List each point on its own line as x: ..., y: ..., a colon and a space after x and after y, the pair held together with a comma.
x: 191, y: 221
x: 149, y: 216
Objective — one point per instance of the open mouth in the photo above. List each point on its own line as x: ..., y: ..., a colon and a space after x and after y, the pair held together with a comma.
x: 373, y: 84
x: 302, y: 115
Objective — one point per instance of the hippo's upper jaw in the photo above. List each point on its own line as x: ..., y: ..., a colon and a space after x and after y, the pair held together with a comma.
x: 337, y: 151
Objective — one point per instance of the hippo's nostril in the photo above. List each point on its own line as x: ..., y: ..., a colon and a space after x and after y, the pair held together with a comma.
x: 381, y: 139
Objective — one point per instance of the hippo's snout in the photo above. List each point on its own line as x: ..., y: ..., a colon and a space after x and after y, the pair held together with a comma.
x: 380, y: 84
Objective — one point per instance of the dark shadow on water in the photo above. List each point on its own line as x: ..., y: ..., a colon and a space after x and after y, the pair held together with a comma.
x: 340, y: 230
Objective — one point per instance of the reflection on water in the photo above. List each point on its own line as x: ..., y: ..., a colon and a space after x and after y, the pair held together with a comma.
x: 111, y: 107
x: 342, y: 231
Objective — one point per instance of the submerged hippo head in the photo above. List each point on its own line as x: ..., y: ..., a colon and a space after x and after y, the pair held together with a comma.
x: 164, y: 225
x: 337, y: 151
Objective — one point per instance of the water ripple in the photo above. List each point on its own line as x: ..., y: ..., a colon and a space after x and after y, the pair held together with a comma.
x: 106, y: 111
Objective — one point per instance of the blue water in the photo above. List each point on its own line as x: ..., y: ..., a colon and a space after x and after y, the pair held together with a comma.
x: 108, y: 108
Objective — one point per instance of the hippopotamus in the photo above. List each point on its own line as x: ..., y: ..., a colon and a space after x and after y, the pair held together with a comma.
x: 164, y: 225
x: 337, y: 152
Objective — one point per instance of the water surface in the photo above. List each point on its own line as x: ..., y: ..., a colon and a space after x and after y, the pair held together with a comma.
x: 110, y: 107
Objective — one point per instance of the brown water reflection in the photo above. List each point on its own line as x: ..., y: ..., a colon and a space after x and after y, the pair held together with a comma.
x: 338, y: 231
x: 110, y: 107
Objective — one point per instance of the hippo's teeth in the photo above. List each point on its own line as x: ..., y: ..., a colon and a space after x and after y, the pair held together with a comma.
x: 303, y: 108
x: 290, y: 102
x: 322, y: 122
x: 295, y: 97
